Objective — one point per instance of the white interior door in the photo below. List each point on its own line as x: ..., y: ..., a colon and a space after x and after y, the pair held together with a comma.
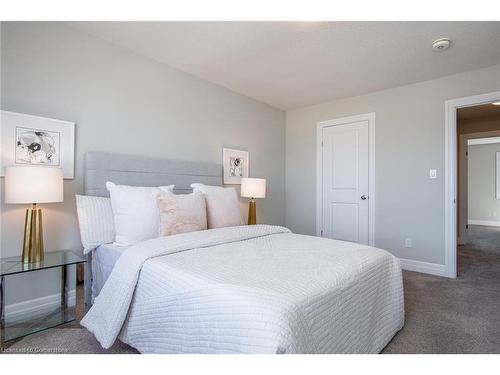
x: 345, y: 178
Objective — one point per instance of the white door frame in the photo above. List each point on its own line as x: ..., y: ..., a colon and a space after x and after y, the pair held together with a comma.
x: 450, y: 185
x: 370, y: 117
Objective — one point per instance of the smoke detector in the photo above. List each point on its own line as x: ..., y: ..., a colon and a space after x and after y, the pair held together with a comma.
x: 441, y: 44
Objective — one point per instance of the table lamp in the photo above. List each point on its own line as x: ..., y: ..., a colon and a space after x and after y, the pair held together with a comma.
x: 253, y: 188
x: 24, y: 185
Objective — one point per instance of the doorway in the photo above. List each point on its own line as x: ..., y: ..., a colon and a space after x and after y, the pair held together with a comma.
x: 466, y: 119
x: 345, y: 179
x: 478, y: 129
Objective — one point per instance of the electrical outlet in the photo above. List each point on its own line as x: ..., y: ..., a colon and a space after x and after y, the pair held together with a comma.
x: 432, y: 173
x: 408, y: 242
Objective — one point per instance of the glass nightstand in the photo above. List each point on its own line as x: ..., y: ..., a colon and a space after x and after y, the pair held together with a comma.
x: 46, y: 319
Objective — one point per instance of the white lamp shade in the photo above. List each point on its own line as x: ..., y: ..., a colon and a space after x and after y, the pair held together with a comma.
x: 33, y: 185
x: 253, y: 187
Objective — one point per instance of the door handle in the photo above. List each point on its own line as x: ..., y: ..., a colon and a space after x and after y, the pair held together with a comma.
x: 363, y: 197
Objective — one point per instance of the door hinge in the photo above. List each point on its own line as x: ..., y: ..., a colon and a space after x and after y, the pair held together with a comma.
x: 321, y: 143
x: 321, y: 233
x: 466, y: 153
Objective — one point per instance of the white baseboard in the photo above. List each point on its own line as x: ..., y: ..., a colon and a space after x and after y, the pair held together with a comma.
x: 423, y: 267
x: 484, y: 222
x: 31, y: 307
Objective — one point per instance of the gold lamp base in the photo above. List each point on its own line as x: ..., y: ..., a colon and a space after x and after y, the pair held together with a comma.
x: 252, y: 212
x: 33, y: 236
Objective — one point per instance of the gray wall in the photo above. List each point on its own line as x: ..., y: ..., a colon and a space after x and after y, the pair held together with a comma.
x: 122, y: 102
x: 481, y: 183
x: 410, y: 124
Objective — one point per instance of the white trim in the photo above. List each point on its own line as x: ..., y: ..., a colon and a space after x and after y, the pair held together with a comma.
x: 483, y: 141
x: 21, y: 310
x: 423, y: 267
x: 450, y: 189
x: 488, y: 223
x: 497, y: 175
x: 370, y: 117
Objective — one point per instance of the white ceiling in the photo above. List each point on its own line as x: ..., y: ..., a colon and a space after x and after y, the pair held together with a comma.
x: 295, y: 64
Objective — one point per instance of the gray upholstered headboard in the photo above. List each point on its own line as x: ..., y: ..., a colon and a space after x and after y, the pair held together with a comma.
x: 146, y: 171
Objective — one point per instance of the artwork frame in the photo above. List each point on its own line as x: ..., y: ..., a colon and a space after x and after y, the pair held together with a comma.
x: 235, y: 164
x: 28, y: 140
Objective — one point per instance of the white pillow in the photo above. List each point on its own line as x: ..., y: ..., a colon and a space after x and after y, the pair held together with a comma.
x: 135, y: 212
x: 181, y: 213
x: 95, y: 219
x: 223, y: 207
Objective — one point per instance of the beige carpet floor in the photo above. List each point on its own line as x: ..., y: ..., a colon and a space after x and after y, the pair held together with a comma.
x: 442, y: 315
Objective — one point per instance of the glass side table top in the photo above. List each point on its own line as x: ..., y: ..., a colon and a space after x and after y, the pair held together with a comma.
x: 13, y: 265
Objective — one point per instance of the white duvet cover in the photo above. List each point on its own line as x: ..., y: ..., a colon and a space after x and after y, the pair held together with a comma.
x: 250, y: 289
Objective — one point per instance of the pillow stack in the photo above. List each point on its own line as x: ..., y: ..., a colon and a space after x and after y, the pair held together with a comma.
x: 135, y: 213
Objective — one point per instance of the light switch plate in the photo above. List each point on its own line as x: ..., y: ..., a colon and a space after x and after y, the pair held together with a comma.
x: 432, y: 173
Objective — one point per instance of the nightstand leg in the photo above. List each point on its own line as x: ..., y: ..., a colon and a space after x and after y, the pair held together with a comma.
x: 64, y: 290
x: 2, y: 312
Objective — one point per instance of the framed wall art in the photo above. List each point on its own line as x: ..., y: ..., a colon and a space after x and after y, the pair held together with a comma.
x: 235, y: 163
x: 37, y: 141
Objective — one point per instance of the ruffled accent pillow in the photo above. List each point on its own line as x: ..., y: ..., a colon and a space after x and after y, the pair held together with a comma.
x: 181, y: 213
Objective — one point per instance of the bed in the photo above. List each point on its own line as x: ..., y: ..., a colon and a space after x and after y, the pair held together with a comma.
x: 245, y: 289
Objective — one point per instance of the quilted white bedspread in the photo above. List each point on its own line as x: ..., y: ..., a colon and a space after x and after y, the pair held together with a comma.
x: 250, y: 289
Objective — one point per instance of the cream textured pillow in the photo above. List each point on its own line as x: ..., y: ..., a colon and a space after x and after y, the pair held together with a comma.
x: 95, y: 220
x: 182, y: 213
x: 223, y: 207
x: 135, y: 212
